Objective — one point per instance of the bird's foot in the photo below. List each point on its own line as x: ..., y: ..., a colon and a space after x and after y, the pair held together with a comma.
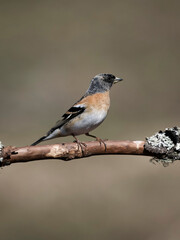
x: 98, y: 139
x: 102, y: 142
x: 80, y: 144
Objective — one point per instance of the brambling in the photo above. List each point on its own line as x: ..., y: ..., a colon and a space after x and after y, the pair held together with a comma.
x: 87, y: 113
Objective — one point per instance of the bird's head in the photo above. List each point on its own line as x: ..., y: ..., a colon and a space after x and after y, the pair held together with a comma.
x: 107, y: 78
x: 103, y: 82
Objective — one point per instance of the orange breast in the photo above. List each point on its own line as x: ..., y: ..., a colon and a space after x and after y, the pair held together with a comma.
x: 98, y: 101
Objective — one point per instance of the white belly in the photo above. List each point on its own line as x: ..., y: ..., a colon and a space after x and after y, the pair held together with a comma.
x: 84, y: 124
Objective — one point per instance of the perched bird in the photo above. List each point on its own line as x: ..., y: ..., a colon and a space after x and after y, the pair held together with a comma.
x: 87, y: 113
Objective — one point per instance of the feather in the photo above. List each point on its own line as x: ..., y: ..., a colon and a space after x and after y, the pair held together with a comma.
x: 70, y: 114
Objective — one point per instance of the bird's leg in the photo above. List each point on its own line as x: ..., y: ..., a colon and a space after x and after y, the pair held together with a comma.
x: 97, y: 139
x: 79, y: 143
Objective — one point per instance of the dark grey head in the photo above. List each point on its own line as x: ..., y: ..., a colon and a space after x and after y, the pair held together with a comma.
x: 102, y: 83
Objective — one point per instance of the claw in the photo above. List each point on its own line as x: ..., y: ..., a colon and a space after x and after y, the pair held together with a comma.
x: 80, y: 144
x: 101, y: 142
x: 98, y: 139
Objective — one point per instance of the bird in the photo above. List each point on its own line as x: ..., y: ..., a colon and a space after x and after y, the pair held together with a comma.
x: 87, y: 113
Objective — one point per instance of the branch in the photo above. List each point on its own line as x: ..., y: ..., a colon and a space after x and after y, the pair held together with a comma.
x: 163, y: 146
x: 71, y: 151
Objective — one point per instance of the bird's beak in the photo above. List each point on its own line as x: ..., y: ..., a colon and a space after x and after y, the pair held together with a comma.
x: 117, y: 80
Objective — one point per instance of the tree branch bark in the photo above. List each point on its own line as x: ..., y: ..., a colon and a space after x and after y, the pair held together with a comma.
x: 70, y: 151
x: 163, y: 146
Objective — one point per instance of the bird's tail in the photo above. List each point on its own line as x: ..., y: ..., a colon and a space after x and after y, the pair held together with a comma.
x: 39, y: 140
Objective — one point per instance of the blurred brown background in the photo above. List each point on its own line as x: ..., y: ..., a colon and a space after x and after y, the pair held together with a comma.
x: 50, y: 50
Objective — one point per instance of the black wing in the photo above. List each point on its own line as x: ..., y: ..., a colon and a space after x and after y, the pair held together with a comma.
x: 70, y: 114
